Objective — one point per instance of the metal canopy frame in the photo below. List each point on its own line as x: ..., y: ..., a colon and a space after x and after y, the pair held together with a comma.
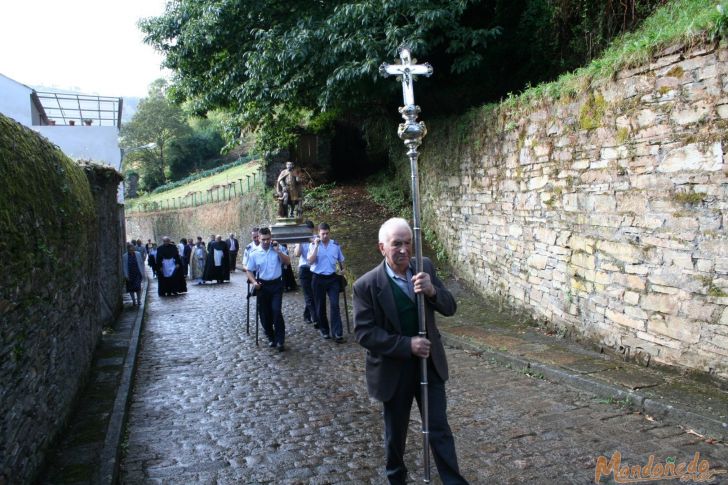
x: 64, y: 108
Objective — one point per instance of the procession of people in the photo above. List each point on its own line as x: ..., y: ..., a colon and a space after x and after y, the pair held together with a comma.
x: 386, y: 317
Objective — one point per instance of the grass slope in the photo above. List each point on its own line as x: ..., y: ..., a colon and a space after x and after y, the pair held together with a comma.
x: 231, y: 175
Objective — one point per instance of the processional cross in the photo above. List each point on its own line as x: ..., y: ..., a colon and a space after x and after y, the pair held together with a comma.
x: 412, y: 133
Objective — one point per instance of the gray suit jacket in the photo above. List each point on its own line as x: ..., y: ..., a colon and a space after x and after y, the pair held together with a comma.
x: 377, y: 328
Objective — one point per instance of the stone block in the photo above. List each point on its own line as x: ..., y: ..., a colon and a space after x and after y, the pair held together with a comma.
x: 660, y: 303
x: 713, y: 249
x: 602, y: 278
x: 538, y: 261
x: 646, y: 117
x: 682, y: 329
x: 639, y: 269
x: 609, y: 153
x: 624, y: 320
x: 545, y: 235
x: 695, y: 113
x: 570, y: 202
x: 704, y: 266
x: 635, y: 312
x: 624, y: 252
x: 722, y: 110
x: 693, y: 157
x: 631, y: 297
x: 721, y: 265
x: 680, y: 259
x: 650, y: 221
x: 657, y: 343
x: 580, y: 243
x: 632, y: 202
x: 670, y: 290
x: 536, y: 183
x: 698, y: 310
x: 583, y: 260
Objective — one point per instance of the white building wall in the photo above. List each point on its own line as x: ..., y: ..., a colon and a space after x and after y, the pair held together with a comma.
x: 15, y: 101
x: 99, y: 144
x: 96, y: 143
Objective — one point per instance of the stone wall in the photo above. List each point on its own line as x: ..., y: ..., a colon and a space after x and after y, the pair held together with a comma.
x: 604, y: 212
x: 51, y: 288
x: 108, y: 240
x: 238, y: 215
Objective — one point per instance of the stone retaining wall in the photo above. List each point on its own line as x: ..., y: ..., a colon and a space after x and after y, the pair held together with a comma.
x: 60, y: 284
x: 238, y: 215
x: 604, y: 214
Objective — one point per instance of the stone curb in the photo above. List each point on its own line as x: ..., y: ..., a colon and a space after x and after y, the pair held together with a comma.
x: 705, y: 425
x: 109, y: 462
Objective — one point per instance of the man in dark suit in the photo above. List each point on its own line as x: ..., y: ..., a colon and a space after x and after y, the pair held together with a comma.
x: 233, y: 248
x: 386, y: 324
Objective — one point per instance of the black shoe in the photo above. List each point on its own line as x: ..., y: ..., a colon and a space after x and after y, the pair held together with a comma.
x: 280, y: 347
x: 271, y: 344
x: 316, y: 325
x: 339, y: 339
x: 326, y: 336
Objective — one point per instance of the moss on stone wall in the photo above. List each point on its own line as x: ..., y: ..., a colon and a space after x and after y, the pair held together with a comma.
x: 48, y: 292
x: 46, y: 206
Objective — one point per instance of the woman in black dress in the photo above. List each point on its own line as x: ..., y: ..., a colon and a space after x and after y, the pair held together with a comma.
x: 133, y: 268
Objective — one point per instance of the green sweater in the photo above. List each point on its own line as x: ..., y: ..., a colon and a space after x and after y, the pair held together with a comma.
x: 406, y: 309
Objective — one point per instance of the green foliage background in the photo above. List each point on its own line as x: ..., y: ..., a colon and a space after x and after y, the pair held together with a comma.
x: 275, y: 66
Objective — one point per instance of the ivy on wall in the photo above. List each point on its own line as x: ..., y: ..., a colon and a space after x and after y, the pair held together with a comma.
x: 47, y: 221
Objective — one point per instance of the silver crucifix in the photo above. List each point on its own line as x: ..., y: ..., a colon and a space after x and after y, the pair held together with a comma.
x: 406, y: 70
x: 412, y: 132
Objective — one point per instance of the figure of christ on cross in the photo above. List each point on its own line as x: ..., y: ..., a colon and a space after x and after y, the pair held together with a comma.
x: 406, y: 70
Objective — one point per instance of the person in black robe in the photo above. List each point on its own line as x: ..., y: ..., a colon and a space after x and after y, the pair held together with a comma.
x: 151, y: 259
x: 217, y: 266
x: 170, y: 280
x: 289, y: 279
x: 186, y: 254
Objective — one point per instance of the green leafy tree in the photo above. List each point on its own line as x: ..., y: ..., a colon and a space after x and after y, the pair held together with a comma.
x: 194, y: 152
x: 156, y: 123
x: 274, y: 64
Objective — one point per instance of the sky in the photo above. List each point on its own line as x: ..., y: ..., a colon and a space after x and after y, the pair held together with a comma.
x: 90, y: 46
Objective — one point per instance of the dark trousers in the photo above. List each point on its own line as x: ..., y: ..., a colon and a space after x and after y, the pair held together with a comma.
x: 233, y: 259
x: 304, y: 277
x: 324, y: 285
x: 269, y: 299
x: 397, y: 418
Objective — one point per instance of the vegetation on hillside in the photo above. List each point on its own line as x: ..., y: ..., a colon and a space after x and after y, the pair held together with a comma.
x: 206, y: 186
x: 164, y: 144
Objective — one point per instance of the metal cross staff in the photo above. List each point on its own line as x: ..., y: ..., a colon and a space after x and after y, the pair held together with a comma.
x: 412, y: 133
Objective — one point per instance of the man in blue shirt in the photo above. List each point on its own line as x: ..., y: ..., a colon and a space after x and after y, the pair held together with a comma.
x: 265, y: 262
x: 304, y: 277
x: 252, y: 245
x: 323, y: 254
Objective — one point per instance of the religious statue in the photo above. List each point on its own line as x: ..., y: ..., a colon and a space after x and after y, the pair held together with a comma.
x: 289, y: 192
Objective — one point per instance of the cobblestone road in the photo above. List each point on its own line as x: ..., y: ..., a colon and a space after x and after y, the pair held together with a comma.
x: 211, y: 407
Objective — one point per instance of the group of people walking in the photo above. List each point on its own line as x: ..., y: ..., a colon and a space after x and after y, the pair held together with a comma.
x: 266, y: 262
x: 385, y: 316
x: 172, y: 264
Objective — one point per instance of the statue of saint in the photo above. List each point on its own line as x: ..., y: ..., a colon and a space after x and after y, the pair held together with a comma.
x: 289, y: 193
